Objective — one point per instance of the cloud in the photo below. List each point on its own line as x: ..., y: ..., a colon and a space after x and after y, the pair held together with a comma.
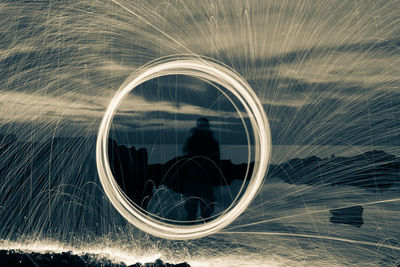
x: 320, y: 69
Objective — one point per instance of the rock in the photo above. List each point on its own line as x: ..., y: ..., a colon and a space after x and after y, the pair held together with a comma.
x: 350, y: 215
x: 15, y: 258
x: 160, y: 263
x: 34, y: 259
x: 375, y: 170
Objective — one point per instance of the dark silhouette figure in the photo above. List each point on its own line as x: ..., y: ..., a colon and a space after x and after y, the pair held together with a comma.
x: 201, y: 170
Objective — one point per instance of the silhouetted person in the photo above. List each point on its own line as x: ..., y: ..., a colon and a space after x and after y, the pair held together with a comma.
x: 201, y: 170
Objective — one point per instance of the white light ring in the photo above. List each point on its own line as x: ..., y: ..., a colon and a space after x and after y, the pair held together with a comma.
x: 201, y: 68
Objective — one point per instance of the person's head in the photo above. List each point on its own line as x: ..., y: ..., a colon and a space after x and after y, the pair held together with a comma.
x: 203, y: 124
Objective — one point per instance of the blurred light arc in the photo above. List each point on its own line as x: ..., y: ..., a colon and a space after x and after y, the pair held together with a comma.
x: 208, y: 70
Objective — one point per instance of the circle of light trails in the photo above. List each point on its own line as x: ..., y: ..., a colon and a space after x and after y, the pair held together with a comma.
x: 210, y: 71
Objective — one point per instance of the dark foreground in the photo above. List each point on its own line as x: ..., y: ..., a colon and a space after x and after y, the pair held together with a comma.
x: 16, y: 258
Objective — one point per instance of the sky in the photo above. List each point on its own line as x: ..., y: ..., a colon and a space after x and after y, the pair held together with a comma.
x: 326, y: 72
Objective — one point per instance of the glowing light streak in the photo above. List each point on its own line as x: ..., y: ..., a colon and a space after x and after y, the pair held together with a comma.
x: 205, y: 69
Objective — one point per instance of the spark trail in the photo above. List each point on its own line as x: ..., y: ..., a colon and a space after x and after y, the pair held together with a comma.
x: 326, y: 73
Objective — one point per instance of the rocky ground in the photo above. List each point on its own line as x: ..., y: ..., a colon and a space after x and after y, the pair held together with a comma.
x: 17, y: 258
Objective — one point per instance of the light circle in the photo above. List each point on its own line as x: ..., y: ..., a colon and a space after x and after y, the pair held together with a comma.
x: 211, y: 71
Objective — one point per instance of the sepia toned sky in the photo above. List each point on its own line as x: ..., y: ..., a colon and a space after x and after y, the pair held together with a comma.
x: 326, y: 72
